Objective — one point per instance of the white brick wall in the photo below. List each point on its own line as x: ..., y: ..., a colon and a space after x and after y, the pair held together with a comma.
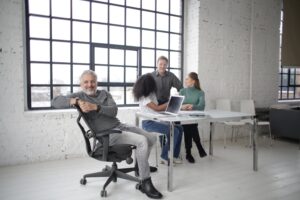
x: 217, y: 45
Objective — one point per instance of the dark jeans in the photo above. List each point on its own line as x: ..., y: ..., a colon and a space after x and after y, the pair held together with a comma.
x: 191, y: 133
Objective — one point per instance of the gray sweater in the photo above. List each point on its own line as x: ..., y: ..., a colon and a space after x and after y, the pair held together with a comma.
x: 103, y: 120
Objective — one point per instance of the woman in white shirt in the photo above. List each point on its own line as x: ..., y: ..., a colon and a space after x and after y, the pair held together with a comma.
x: 144, y: 91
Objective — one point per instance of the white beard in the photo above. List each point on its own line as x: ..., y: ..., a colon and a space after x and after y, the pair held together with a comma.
x: 89, y: 92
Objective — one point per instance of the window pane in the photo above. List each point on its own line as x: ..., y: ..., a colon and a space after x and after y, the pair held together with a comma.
x: 147, y: 70
x: 39, y: 50
x: 101, y: 56
x: 148, y: 20
x: 297, y: 79
x: 99, y: 33
x: 99, y: 12
x: 40, y: 73
x: 39, y: 7
x: 61, y: 74
x: 61, y: 51
x: 131, y: 58
x: 175, y: 42
x: 131, y: 74
x: 57, y: 91
x: 292, y: 79
x: 77, y: 71
x: 81, y: 10
x: 148, y: 4
x: 175, y: 60
x: 60, y: 29
x: 61, y: 8
x: 116, y: 74
x: 116, y: 15
x: 129, y: 96
x: 102, y: 73
x: 117, y: 94
x: 81, y: 53
x: 162, y: 22
x: 133, y: 3
x: 176, y: 7
x: 121, y: 2
x: 76, y: 89
x: 148, y: 38
x: 39, y: 27
x: 148, y: 57
x: 161, y: 53
x: 175, y: 24
x: 284, y: 80
x: 81, y: 31
x: 163, y: 6
x: 291, y: 93
x: 176, y: 72
x: 133, y: 17
x: 133, y: 37
x: 162, y: 40
x: 116, y: 57
x: 40, y: 97
x: 297, y: 94
x: 116, y: 35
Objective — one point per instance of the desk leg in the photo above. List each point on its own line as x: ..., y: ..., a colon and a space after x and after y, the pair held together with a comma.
x: 170, y: 160
x: 254, y: 145
x: 211, y: 132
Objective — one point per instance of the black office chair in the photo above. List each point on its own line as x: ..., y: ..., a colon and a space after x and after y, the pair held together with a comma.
x: 100, y: 149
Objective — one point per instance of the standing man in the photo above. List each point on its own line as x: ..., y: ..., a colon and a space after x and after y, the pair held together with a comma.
x: 101, y: 111
x: 165, y: 80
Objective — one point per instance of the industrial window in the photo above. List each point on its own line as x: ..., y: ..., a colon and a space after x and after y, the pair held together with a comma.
x: 119, y: 39
x: 289, y: 78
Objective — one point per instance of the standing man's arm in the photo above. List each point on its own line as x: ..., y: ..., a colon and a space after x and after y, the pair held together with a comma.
x: 177, y: 83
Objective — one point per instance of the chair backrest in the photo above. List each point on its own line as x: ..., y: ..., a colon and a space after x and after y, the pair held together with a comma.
x: 87, y: 134
x: 223, y: 104
x: 247, y: 106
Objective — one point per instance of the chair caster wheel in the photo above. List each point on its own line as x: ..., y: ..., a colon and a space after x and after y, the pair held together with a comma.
x: 105, y: 169
x: 103, y: 193
x: 138, y: 186
x: 83, y: 181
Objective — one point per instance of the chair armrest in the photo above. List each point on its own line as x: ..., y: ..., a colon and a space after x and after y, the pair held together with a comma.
x: 108, y: 132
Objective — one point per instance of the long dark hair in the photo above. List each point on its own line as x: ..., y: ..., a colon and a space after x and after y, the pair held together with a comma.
x: 194, y: 76
x: 144, y: 86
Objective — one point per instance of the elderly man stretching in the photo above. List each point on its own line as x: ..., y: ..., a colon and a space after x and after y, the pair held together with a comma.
x: 102, y: 111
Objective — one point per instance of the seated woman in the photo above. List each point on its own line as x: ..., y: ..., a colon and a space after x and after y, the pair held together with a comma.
x: 144, y: 91
x: 194, y: 100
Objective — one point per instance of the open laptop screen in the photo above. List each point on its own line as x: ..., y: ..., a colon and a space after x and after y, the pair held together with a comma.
x: 174, y: 104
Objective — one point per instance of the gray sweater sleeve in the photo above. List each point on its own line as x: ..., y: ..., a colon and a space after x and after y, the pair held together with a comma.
x: 63, y: 101
x: 110, y: 108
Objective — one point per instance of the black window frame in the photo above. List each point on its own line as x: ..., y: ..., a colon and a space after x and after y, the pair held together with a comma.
x: 71, y: 85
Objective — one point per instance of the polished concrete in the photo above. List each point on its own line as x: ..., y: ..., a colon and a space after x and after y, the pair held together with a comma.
x: 228, y: 175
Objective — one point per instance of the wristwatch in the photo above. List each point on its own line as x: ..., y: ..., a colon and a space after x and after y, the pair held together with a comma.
x: 98, y: 108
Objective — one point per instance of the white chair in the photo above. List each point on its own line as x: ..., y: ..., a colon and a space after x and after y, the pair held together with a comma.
x: 225, y: 105
x: 247, y: 106
x: 158, y: 135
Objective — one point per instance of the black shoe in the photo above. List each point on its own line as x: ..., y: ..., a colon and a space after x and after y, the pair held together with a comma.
x: 146, y: 186
x: 153, y: 169
x: 202, y: 154
x: 190, y: 158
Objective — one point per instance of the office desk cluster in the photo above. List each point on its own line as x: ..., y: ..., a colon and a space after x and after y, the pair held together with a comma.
x: 212, y: 117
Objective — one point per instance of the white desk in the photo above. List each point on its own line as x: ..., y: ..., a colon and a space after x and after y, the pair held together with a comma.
x: 211, y: 116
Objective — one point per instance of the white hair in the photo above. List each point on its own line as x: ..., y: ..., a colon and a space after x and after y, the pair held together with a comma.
x: 88, y: 72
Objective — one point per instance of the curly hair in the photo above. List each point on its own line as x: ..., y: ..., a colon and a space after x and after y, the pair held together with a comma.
x: 144, y: 86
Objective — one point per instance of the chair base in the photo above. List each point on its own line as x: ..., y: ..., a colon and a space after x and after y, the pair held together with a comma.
x: 113, y: 173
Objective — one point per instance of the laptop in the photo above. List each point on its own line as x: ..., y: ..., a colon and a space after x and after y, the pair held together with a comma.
x: 174, y: 105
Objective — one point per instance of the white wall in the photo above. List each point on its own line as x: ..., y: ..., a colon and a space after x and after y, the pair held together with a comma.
x: 217, y: 46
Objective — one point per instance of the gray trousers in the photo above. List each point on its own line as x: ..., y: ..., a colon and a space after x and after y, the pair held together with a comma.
x: 143, y: 141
